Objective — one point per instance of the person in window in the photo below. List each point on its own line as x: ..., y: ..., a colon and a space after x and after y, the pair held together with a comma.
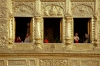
x: 27, y: 38
x: 50, y: 35
x: 76, y: 38
x: 18, y: 39
x: 46, y: 40
x: 87, y: 38
x: 28, y: 28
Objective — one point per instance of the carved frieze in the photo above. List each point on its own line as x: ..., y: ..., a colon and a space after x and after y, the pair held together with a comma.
x: 82, y: 9
x: 23, y: 9
x: 53, y: 9
x: 53, y: 62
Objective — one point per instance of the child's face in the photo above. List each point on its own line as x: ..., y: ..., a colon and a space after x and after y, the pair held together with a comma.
x: 76, y: 34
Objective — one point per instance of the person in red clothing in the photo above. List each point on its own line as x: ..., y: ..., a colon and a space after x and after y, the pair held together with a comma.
x: 46, y: 40
x: 18, y: 39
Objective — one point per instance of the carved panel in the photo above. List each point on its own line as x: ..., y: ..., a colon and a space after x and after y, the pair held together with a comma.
x: 53, y: 62
x: 94, y: 63
x: 53, y: 0
x: 82, y: 9
x: 53, y: 9
x: 82, y: 0
x: 32, y: 62
x: 84, y: 62
x: 1, y: 63
x: 24, y: 9
x: 73, y: 63
x: 16, y: 62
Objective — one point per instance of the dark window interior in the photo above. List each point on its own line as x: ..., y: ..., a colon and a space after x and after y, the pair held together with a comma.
x: 21, y: 26
x: 52, y: 29
x: 81, y: 27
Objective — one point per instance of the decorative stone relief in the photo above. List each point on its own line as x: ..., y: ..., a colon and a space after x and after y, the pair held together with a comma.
x: 53, y: 62
x: 23, y: 8
x: 3, y: 12
x: 82, y: 9
x: 55, y: 9
x: 3, y: 32
x: 3, y: 25
x: 16, y: 62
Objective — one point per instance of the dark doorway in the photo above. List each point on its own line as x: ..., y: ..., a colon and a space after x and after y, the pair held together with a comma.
x: 21, y: 26
x: 81, y: 26
x: 52, y: 30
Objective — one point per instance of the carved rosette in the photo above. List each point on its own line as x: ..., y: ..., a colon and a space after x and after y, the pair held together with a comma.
x: 82, y: 9
x: 23, y: 9
x: 52, y: 9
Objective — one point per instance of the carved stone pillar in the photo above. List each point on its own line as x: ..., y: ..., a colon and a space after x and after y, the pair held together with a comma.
x: 68, y: 38
x: 38, y: 38
x: 96, y: 30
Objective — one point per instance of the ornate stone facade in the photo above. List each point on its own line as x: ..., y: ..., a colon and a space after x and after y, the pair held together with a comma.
x: 38, y: 53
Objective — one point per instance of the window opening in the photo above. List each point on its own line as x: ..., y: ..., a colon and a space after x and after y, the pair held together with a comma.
x: 82, y: 30
x: 22, y: 28
x: 52, y: 30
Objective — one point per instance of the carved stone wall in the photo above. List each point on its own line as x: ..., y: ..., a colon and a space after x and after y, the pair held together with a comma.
x: 3, y: 23
x: 54, y: 54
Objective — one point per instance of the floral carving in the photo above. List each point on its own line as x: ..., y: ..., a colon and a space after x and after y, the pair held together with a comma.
x: 23, y: 9
x: 52, y: 9
x: 82, y: 9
